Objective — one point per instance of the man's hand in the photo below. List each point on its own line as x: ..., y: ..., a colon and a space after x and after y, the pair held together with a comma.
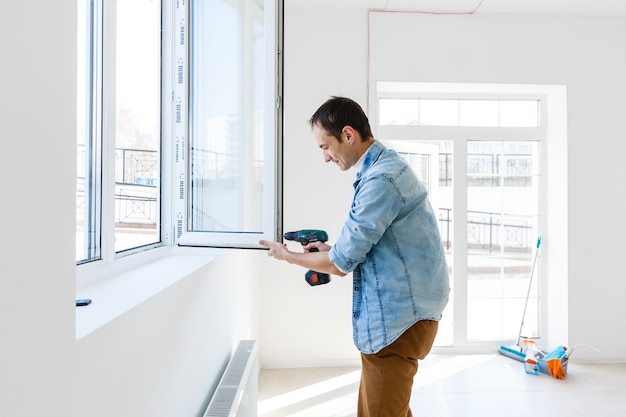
x: 277, y: 250
x: 317, y: 261
x: 320, y: 246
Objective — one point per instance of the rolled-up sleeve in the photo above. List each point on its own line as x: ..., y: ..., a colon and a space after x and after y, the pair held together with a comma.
x: 341, y: 260
x: 376, y: 203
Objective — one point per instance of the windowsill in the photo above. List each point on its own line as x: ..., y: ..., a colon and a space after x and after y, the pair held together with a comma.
x: 131, y: 283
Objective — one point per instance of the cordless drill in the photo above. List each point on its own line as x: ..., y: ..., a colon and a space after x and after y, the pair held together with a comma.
x: 305, y: 237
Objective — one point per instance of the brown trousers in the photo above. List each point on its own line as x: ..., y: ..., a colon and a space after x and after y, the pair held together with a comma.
x: 387, y: 376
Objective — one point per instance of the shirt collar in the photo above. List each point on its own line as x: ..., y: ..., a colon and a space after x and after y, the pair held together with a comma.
x: 358, y: 166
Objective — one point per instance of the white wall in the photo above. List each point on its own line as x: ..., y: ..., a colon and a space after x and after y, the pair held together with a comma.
x: 326, y: 54
x: 303, y: 325
x: 163, y: 357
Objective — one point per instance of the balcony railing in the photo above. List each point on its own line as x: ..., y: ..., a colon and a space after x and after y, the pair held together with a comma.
x: 136, y: 188
x: 490, y: 231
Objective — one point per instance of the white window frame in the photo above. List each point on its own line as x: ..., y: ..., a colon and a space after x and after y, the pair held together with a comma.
x: 272, y: 195
x: 105, y: 130
x: 173, y: 209
x: 460, y: 136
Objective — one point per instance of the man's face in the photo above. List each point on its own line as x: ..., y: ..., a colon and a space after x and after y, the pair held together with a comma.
x: 339, y: 152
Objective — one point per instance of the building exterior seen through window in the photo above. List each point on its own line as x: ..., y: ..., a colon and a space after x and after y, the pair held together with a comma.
x: 118, y: 158
x: 137, y: 123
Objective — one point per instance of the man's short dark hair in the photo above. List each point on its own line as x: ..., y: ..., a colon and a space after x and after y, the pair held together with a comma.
x: 339, y: 112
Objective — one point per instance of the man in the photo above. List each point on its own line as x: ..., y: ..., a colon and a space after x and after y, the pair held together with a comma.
x: 391, y: 244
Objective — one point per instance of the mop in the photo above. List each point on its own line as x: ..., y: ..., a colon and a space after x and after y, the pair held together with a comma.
x: 551, y: 363
x: 516, y: 351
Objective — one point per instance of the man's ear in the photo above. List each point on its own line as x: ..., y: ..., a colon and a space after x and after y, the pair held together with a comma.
x: 350, y: 133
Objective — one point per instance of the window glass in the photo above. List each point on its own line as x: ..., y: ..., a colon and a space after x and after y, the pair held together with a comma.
x: 138, y: 119
x: 458, y: 112
x: 118, y: 127
x: 218, y: 134
x: 519, y: 113
x: 399, y: 112
x: 227, y: 125
x: 483, y: 113
x: 88, y: 151
x: 439, y: 112
x: 503, y: 212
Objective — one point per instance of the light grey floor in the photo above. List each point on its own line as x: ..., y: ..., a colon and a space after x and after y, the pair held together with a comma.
x: 454, y: 386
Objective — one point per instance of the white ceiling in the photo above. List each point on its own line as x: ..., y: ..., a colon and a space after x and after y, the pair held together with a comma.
x: 552, y: 7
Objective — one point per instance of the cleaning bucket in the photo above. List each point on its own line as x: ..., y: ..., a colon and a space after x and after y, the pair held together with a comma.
x: 550, y: 363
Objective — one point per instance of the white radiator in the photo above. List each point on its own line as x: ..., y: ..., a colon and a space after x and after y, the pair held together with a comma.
x: 236, y: 393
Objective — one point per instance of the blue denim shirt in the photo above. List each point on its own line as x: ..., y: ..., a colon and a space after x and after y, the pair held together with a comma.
x: 391, y: 244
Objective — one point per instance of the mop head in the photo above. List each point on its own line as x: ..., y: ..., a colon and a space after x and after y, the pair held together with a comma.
x: 514, y: 352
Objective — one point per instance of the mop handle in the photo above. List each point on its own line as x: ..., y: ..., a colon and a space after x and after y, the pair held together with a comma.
x: 532, y: 272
